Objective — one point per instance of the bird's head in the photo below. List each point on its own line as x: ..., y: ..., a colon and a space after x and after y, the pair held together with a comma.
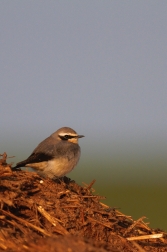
x: 67, y: 134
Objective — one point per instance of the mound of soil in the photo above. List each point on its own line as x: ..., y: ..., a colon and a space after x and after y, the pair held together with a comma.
x: 46, y: 215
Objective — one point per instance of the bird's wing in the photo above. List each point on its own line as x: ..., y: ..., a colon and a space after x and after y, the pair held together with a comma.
x: 43, y: 152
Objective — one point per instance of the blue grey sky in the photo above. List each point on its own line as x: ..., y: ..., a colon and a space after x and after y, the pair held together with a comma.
x: 99, y: 67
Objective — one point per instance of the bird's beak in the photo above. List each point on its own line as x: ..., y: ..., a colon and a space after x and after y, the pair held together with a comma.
x: 79, y: 136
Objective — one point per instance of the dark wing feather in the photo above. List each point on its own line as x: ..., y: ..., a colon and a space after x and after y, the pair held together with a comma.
x: 34, y: 158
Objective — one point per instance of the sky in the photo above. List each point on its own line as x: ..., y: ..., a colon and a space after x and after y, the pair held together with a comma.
x: 98, y: 67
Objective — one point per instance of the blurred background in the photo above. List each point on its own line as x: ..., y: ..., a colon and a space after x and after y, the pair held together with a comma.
x: 99, y: 67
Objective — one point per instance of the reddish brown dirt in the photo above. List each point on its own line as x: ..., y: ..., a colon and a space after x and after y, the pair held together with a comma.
x: 46, y: 215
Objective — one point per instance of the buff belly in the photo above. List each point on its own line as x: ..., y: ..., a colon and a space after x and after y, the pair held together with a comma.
x: 54, y: 168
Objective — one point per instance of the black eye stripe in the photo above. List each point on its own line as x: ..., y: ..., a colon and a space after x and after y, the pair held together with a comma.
x: 66, y: 137
x: 69, y: 136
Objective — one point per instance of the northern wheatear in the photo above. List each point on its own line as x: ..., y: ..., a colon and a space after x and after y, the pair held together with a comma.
x: 56, y: 155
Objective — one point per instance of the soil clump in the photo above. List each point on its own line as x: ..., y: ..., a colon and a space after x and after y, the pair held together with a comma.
x: 41, y: 214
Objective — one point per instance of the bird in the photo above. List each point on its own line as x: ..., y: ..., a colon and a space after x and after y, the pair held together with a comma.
x: 55, y: 156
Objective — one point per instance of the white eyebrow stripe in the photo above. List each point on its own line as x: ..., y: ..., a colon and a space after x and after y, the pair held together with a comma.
x: 68, y: 134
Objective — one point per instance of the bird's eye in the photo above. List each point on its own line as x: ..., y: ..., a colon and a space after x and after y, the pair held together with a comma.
x: 66, y: 137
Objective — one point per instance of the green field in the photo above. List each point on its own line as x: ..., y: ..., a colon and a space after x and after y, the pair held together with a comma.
x: 137, y: 187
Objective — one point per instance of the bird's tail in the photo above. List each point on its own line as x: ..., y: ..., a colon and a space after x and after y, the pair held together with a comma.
x: 20, y: 164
